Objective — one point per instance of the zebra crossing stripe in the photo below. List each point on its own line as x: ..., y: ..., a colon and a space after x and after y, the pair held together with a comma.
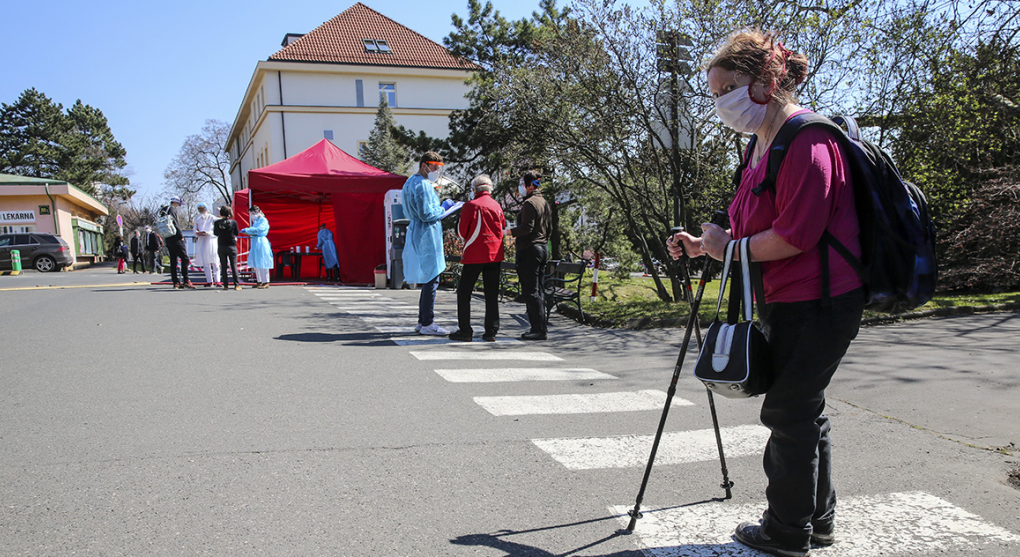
x: 380, y: 313
x: 347, y: 305
x: 577, y: 403
x: 422, y: 340
x: 508, y: 374
x: 496, y: 355
x: 911, y: 523
x: 627, y: 451
x: 402, y: 329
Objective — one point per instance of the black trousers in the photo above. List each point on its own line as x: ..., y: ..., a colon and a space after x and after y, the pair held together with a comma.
x: 136, y: 260
x: 531, y: 262
x: 226, y: 256
x: 808, y: 341
x: 178, y: 252
x: 490, y: 286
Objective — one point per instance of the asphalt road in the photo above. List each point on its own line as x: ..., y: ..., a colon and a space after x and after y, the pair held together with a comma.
x: 138, y: 420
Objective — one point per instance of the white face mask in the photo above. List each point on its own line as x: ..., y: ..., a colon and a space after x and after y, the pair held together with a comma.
x: 522, y: 190
x: 434, y: 176
x: 471, y: 194
x: 737, y: 110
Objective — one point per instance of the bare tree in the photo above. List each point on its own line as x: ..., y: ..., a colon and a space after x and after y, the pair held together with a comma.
x: 201, y: 168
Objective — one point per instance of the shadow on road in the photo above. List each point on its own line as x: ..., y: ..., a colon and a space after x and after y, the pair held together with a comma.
x: 500, y: 540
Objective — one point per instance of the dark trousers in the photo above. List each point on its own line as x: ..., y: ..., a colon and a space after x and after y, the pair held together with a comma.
x: 178, y: 252
x: 427, y: 302
x: 490, y: 286
x: 136, y: 260
x: 531, y: 262
x: 808, y: 340
x: 226, y: 256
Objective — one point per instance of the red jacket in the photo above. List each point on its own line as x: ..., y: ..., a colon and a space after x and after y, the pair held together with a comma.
x: 481, y: 228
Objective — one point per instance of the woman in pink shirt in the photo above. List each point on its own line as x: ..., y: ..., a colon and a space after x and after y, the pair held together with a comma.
x: 754, y: 79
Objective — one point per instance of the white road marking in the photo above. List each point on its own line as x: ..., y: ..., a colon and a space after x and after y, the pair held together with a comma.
x: 399, y: 329
x: 381, y: 313
x: 367, y: 307
x: 422, y: 340
x: 500, y: 355
x: 499, y: 375
x: 577, y: 403
x: 591, y: 453
x: 914, y: 523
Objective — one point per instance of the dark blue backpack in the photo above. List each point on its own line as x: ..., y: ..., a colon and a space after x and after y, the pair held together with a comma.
x: 899, y: 265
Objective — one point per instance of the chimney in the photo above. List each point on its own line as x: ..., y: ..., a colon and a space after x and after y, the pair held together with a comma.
x: 291, y: 37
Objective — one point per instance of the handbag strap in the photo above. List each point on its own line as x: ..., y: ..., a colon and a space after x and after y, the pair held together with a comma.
x: 727, y: 259
x: 745, y: 272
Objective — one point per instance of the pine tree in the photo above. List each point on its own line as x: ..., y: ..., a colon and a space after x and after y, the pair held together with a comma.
x: 39, y: 139
x: 31, y: 132
x: 90, y: 155
x: 383, y: 151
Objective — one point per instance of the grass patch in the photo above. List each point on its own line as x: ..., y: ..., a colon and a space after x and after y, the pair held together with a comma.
x: 623, y: 301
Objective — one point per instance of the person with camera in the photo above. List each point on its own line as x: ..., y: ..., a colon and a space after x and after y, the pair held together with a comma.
x: 178, y: 250
x: 754, y: 80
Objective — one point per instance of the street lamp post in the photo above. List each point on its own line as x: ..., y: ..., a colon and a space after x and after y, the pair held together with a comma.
x: 672, y: 55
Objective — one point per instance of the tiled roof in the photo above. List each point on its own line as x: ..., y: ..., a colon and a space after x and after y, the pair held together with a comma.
x: 340, y: 41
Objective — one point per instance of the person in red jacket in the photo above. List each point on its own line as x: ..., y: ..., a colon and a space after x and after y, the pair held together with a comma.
x: 481, y: 227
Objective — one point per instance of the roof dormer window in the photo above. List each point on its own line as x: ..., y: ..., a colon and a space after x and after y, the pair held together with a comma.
x: 377, y: 46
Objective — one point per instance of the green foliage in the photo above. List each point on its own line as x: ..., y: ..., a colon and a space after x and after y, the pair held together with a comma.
x: 91, y: 155
x: 963, y: 123
x: 383, y: 151
x: 31, y: 132
x: 37, y: 138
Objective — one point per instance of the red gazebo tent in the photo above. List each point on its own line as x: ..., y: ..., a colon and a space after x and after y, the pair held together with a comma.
x: 323, y: 184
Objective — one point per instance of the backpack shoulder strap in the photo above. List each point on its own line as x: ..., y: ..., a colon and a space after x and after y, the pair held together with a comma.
x: 744, y: 162
x: 781, y: 144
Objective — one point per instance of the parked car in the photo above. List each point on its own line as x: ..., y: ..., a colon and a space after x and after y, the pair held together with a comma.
x: 42, y: 252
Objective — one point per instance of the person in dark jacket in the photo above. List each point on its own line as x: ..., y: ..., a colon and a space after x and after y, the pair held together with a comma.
x: 120, y: 252
x: 532, y: 233
x: 481, y: 228
x: 152, y: 256
x: 136, y: 252
x: 226, y: 232
x: 178, y: 251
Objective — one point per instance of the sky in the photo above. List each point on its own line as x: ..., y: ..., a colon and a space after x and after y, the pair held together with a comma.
x: 159, y: 70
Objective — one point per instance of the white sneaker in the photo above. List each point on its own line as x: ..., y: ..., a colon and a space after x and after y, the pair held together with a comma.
x: 417, y: 328
x: 434, y: 329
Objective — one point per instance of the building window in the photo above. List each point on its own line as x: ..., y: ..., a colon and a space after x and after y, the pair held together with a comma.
x: 359, y: 92
x: 388, y: 92
x: 377, y: 46
x: 327, y: 134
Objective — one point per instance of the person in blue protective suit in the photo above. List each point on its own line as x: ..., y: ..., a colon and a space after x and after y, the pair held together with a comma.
x: 423, y: 249
x: 260, y: 255
x: 328, y: 249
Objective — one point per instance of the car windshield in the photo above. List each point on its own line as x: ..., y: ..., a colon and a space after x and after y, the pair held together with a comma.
x: 6, y: 240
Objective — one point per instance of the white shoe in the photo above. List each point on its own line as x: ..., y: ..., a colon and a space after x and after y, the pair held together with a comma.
x: 434, y: 329
x: 417, y: 328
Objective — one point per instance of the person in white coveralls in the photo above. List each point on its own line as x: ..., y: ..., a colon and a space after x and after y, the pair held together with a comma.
x: 206, y: 257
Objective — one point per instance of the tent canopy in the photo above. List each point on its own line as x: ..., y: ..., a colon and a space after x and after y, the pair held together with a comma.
x: 323, y: 184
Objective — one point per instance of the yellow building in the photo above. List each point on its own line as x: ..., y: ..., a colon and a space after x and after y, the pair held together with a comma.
x: 54, y: 207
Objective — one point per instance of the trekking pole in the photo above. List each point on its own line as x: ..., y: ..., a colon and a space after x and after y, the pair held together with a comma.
x: 686, y: 280
x: 692, y: 320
